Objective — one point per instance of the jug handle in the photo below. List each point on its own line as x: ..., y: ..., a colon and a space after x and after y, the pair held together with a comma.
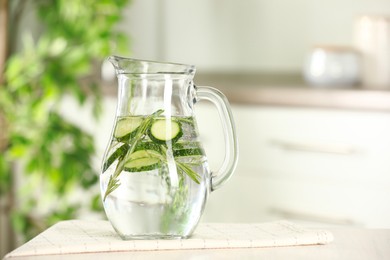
x: 226, y: 170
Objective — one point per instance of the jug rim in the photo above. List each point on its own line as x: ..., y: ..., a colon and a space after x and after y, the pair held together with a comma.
x: 124, y: 65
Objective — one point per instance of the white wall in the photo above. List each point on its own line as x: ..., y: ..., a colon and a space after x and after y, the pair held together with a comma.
x: 255, y: 35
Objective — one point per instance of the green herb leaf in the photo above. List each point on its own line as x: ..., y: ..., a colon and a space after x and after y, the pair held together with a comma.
x: 187, y: 170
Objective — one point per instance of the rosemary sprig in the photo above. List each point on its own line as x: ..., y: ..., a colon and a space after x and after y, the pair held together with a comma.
x: 187, y: 170
x: 113, y: 182
x: 183, y: 167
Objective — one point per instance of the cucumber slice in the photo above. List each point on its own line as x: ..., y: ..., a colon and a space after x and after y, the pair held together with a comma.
x: 143, y: 160
x: 126, y: 127
x: 147, y: 145
x: 119, y: 152
x: 142, y: 165
x: 188, y: 152
x: 164, y: 130
x: 145, y: 154
x: 122, y: 150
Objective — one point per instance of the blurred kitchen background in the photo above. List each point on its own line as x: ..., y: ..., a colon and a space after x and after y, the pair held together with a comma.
x: 309, y: 85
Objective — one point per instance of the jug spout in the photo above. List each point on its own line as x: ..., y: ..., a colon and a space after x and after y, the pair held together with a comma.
x: 120, y: 64
x: 124, y: 65
x: 114, y: 60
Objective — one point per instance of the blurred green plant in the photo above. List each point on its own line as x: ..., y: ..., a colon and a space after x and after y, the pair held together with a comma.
x: 49, y: 157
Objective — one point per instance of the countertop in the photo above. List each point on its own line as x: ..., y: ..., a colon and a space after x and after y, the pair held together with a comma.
x: 291, y: 90
x: 287, y: 90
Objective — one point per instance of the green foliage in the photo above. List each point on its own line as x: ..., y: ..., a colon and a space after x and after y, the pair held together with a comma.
x: 54, y: 155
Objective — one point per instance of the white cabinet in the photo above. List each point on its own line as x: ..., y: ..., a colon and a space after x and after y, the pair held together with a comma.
x: 309, y: 164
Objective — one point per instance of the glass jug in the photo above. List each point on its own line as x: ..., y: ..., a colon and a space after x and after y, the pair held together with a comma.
x: 155, y: 176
